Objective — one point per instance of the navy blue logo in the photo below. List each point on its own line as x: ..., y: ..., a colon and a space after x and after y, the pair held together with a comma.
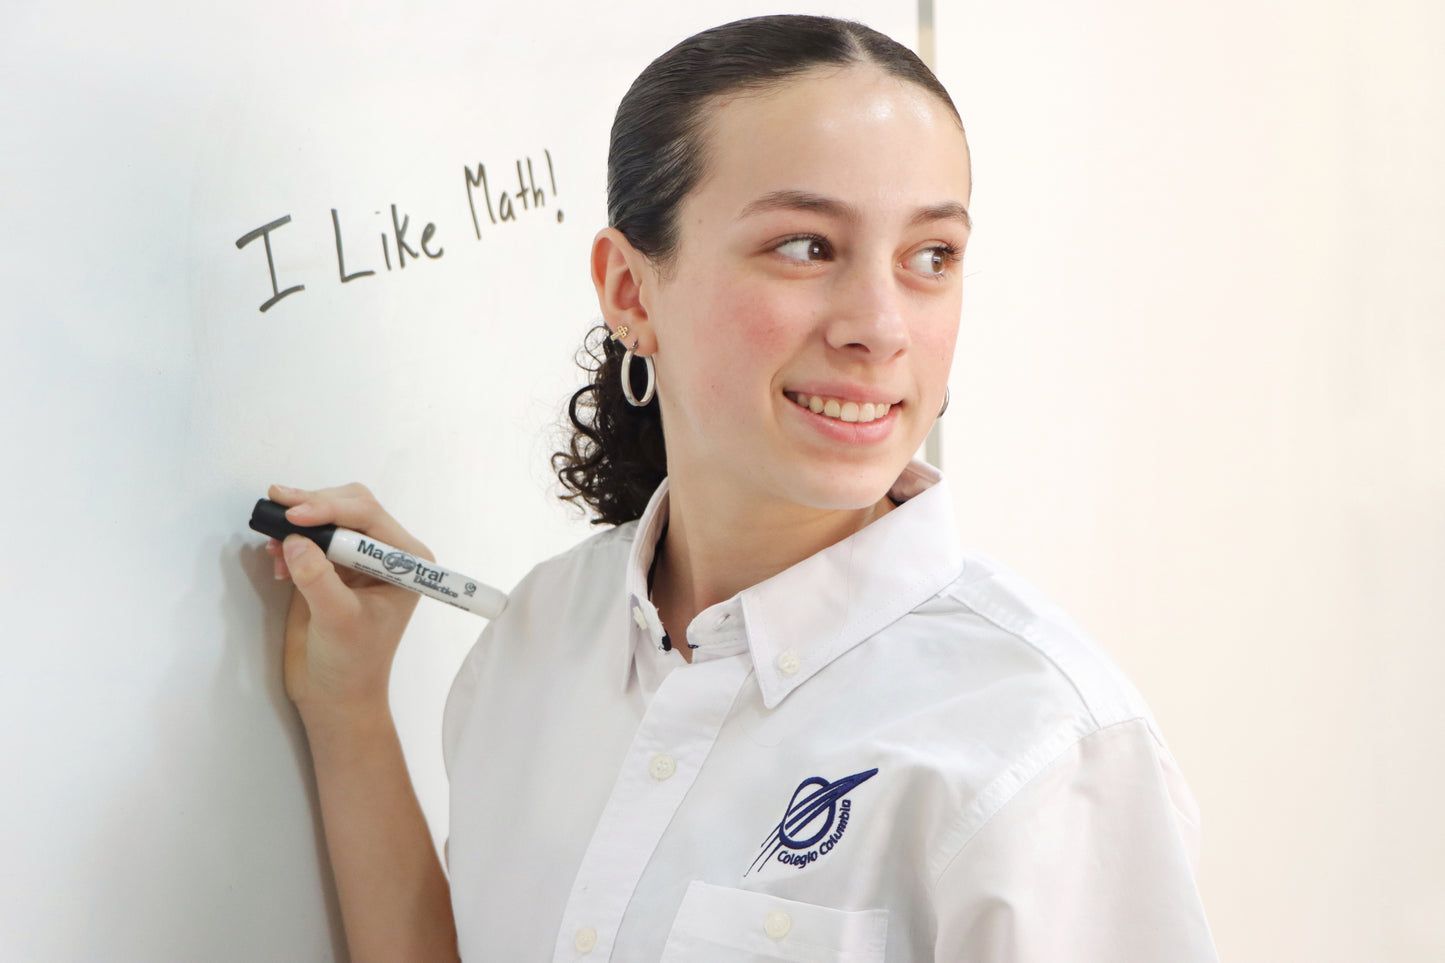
x: 815, y: 821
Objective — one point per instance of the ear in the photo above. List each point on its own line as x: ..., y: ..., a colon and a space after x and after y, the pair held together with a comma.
x: 623, y: 277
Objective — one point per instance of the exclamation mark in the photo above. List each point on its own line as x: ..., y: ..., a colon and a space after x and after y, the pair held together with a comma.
x: 552, y: 176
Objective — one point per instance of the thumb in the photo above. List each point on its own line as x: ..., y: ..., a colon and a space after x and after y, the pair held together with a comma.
x: 314, y: 576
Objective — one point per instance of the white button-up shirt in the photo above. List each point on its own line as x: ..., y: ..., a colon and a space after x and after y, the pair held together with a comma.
x: 895, y: 750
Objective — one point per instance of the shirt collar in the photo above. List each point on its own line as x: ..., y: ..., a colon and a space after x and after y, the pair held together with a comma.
x: 797, y: 622
x: 644, y: 623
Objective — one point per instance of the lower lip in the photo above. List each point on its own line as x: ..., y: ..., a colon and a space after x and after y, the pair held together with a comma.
x: 852, y: 432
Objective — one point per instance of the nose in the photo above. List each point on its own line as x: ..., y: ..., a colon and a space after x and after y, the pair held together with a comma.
x: 867, y: 317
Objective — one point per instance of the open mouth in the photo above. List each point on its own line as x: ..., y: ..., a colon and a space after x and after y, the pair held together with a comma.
x: 850, y: 411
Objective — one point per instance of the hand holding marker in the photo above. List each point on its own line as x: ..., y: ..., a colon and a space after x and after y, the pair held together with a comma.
x: 382, y: 561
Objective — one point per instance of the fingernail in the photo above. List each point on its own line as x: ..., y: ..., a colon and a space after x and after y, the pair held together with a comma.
x: 287, y: 489
x: 292, y: 547
x: 296, y: 511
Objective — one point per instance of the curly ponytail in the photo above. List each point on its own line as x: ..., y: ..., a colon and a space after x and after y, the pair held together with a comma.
x: 616, y: 457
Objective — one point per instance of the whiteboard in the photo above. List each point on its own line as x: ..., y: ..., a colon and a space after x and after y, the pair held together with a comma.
x: 268, y: 242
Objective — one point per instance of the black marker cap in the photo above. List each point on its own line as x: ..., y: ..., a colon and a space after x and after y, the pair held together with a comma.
x: 269, y: 518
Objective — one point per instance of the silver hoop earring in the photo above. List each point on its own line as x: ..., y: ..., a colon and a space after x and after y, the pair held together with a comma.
x: 945, y: 403
x: 627, y: 378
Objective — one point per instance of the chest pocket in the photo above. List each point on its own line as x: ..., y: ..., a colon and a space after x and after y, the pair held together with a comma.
x: 717, y: 924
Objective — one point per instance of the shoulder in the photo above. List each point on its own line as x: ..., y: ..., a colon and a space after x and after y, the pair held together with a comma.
x: 990, y: 605
x: 567, y: 595
x: 568, y: 585
x: 993, y: 662
x: 572, y: 579
x: 1058, y: 698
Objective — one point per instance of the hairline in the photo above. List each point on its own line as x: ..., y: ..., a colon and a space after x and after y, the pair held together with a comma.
x: 700, y: 129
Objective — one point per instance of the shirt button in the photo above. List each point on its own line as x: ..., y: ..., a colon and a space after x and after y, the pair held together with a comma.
x: 789, y: 663
x: 662, y: 766
x: 777, y: 925
x: 639, y: 617
x: 585, y: 940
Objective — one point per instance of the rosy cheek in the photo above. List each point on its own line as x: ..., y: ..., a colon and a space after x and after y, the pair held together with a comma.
x: 940, y: 342
x: 783, y: 318
x: 768, y: 338
x: 754, y: 327
x: 939, y: 331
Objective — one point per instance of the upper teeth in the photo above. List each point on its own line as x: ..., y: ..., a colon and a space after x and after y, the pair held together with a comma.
x: 842, y: 410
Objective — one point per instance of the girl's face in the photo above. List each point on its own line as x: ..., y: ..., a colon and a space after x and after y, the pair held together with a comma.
x: 818, y: 267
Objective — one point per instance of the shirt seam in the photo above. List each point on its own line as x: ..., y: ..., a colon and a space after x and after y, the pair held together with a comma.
x: 1023, y: 636
x: 1023, y: 784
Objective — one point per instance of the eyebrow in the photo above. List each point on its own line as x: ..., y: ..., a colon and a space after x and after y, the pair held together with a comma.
x: 792, y: 200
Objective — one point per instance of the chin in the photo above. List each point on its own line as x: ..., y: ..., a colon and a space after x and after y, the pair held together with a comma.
x: 845, y: 490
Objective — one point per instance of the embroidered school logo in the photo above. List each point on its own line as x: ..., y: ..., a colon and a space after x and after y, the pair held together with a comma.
x: 816, y: 819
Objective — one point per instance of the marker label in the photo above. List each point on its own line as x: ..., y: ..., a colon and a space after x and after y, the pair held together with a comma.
x: 384, y: 562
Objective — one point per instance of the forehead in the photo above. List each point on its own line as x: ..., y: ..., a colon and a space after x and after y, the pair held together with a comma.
x: 856, y: 133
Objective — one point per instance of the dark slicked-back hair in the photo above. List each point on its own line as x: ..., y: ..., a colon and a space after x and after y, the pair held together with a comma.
x: 616, y: 457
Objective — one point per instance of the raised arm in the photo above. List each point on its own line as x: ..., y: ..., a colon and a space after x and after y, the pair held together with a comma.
x: 342, y: 632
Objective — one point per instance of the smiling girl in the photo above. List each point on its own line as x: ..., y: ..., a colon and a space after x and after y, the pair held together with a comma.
x: 775, y: 711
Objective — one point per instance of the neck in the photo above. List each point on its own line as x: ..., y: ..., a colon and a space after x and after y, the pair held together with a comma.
x: 713, y: 551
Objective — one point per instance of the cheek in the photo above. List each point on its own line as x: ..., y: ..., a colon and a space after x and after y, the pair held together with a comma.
x: 747, y: 339
x: 936, y: 338
x: 940, y: 346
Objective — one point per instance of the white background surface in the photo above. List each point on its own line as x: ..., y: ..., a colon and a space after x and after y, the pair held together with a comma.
x: 158, y: 803
x: 1198, y: 400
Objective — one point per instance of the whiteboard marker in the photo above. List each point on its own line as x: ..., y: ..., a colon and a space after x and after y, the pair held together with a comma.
x: 382, y: 561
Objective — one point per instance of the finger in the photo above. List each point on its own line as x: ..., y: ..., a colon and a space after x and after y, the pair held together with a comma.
x: 356, y: 501
x: 278, y: 563
x: 286, y: 495
x: 353, y: 507
x: 328, y: 599
x: 298, y: 618
x: 291, y: 496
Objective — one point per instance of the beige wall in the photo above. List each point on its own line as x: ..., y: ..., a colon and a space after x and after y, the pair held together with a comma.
x: 1198, y: 399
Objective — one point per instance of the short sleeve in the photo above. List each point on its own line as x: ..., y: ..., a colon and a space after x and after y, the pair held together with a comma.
x: 1092, y: 861
x: 459, y: 700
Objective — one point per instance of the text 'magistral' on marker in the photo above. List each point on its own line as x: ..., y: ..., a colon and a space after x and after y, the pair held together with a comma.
x: 383, y: 561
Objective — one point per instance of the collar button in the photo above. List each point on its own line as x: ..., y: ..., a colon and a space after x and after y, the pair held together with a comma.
x: 789, y: 663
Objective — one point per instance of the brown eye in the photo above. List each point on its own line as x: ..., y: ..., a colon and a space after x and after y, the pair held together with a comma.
x: 804, y: 249
x: 933, y: 261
